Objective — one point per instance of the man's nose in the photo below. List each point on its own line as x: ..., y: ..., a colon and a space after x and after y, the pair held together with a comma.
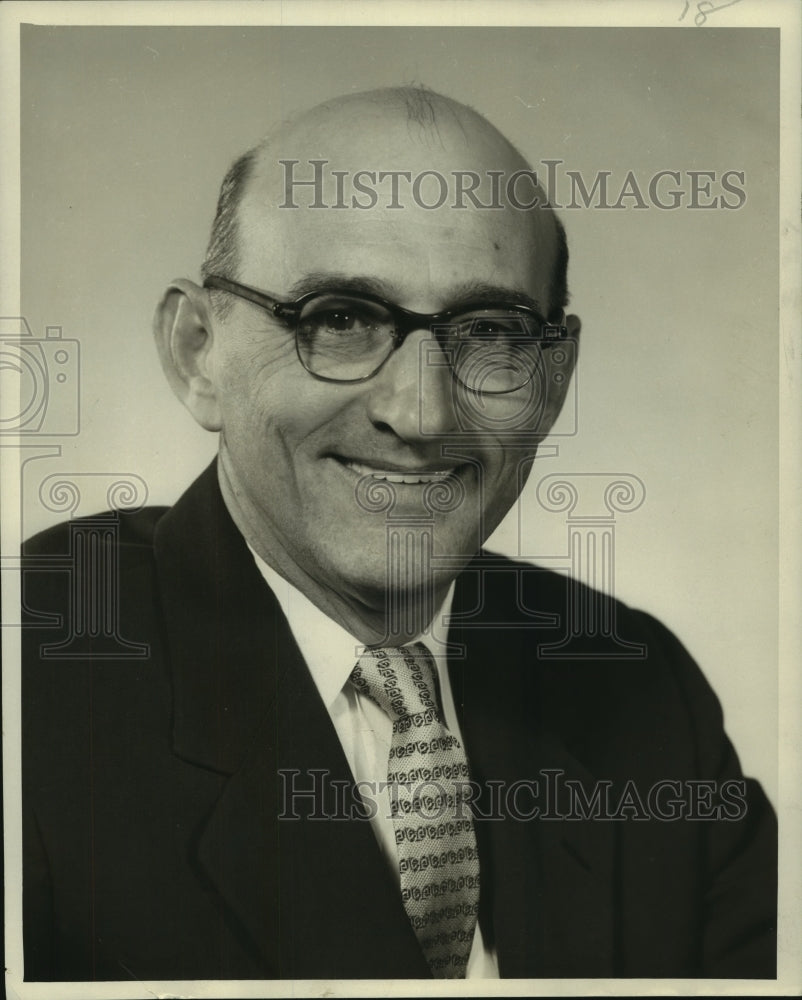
x: 413, y: 393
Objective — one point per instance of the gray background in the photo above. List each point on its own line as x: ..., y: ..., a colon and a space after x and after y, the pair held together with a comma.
x: 126, y: 133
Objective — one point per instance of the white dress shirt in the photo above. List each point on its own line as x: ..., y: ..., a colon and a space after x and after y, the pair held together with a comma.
x: 364, y: 729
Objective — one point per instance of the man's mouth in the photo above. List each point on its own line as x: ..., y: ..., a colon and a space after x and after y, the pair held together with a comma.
x: 410, y: 477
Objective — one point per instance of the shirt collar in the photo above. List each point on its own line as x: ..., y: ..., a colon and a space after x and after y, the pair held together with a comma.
x: 330, y: 650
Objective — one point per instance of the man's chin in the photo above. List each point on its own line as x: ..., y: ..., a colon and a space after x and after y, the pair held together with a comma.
x: 406, y: 569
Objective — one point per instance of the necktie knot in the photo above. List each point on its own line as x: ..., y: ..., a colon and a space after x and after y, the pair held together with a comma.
x: 399, y: 680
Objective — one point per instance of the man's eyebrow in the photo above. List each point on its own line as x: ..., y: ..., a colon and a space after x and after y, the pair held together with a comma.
x: 482, y: 291
x: 475, y: 292
x: 335, y: 281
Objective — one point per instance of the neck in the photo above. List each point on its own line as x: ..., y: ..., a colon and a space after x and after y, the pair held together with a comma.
x: 389, y: 617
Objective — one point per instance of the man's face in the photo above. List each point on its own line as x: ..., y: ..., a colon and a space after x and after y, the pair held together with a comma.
x: 301, y: 454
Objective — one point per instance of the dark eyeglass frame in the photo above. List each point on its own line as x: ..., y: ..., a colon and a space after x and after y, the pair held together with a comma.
x: 404, y: 321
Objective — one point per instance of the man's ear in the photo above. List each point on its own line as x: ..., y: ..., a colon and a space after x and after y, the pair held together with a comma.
x: 560, y: 362
x: 184, y: 331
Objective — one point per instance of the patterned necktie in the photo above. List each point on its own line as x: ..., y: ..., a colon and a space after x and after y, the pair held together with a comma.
x: 428, y: 782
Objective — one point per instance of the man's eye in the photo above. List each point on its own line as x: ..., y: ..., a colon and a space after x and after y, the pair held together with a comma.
x: 337, y: 321
x: 489, y: 327
x: 492, y: 327
x: 339, y: 318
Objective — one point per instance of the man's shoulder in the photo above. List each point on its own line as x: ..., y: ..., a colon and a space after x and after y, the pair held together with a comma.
x: 119, y: 527
x: 535, y: 594
x: 133, y: 530
x: 576, y: 642
x: 609, y: 682
x: 539, y: 596
x: 87, y: 563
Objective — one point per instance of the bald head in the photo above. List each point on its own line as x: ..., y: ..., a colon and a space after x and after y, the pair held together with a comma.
x: 375, y: 154
x: 371, y: 119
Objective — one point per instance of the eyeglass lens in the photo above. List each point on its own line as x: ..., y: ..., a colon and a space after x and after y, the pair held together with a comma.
x: 346, y: 338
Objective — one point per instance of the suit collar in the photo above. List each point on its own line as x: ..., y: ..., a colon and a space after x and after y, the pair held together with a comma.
x: 220, y: 622
x: 329, y: 650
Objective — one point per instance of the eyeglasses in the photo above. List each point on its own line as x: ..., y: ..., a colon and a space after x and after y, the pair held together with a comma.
x: 343, y: 337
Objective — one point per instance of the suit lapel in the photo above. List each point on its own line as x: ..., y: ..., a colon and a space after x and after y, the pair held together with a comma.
x: 301, y: 877
x: 547, y: 881
x: 220, y: 620
x: 303, y: 872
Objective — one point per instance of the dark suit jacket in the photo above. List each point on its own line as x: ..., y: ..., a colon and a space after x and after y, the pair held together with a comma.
x: 154, y: 847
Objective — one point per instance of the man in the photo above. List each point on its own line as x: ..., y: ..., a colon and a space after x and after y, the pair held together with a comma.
x: 351, y: 750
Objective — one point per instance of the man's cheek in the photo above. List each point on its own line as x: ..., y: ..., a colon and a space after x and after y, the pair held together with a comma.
x: 500, y: 487
x: 262, y: 405
x: 246, y: 366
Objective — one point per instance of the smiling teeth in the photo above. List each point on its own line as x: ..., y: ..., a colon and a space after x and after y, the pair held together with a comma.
x: 410, y: 478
